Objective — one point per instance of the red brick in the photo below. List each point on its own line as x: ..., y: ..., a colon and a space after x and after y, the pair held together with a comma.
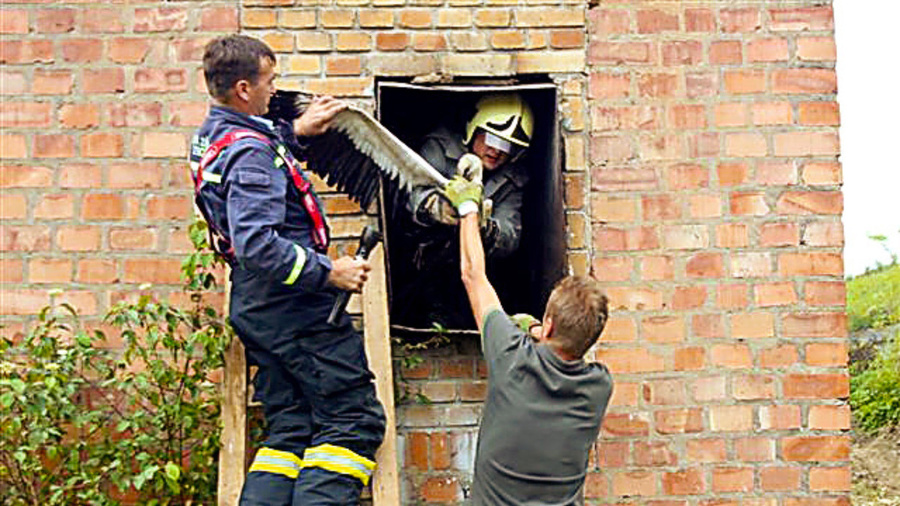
x: 802, y: 19
x: 752, y: 388
x: 817, y: 501
x: 160, y: 80
x: 152, y: 270
x: 705, y: 206
x: 416, y: 450
x: 24, y: 238
x: 772, y: 113
x: 617, y: 239
x: 829, y: 417
x: 79, y: 116
x: 775, y: 294
x: 626, y: 394
x: 705, y: 265
x: 732, y: 356
x: 625, y: 425
x: 103, y: 206
x: 55, y: 206
x: 128, y: 50
x: 732, y: 174
x: 690, y: 359
x: 78, y: 238
x: 613, y: 454
x: 612, y: 268
x: 102, y: 20
x: 732, y: 235
x: 699, y: 20
x: 162, y: 19
x: 731, y: 296
x: 656, y: 21
x: 706, y: 450
x: 14, y: 21
x: 82, y: 50
x: 825, y: 293
x: 609, y: 21
x: 685, y: 237
x: 819, y: 113
x: 822, y: 173
x: 14, y: 207
x: 827, y: 354
x: 732, y: 479
x: 657, y: 85
x: 96, y: 271
x: 829, y: 479
x: 80, y: 175
x: 776, y: 173
x: 779, y: 417
x: 634, y: 483
x: 608, y: 85
x: 688, y: 297
x: 656, y: 268
x: 767, y: 50
x: 810, y: 264
x: 818, y: 203
x: 627, y: 361
x: 730, y: 418
x: 687, y: 116
x: 708, y: 326
x: 53, y: 146
x: 686, y: 482
x: 617, y: 149
x: 132, y: 238
x: 780, y: 478
x: 596, y: 485
x: 742, y: 82
x: 708, y: 389
x: 748, y: 204
x: 816, y: 49
x: 441, y: 489
x: 779, y: 234
x: 752, y: 325
x: 687, y: 176
x: 701, y: 84
x: 50, y: 270
x: 654, y: 454
x: 14, y: 83
x: 110, y: 80
x: 739, y: 20
x: 682, y: 52
x: 25, y: 115
x: 102, y: 145
x: 619, y: 53
x: 816, y: 386
x: 784, y: 355
x: 745, y: 145
x: 725, y: 52
x: 148, y: 114
x: 566, y: 39
x: 823, y: 233
x: 816, y: 448
x: 26, y: 51
x: 754, y: 449
x: 660, y: 207
x: 804, y: 81
x: 814, y: 324
x: 219, y: 19
x: 679, y: 421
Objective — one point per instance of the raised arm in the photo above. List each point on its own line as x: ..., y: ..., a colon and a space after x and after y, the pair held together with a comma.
x: 482, y: 296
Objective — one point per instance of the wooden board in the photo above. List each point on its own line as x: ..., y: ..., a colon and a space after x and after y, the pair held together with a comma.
x: 233, y: 450
x: 386, y: 480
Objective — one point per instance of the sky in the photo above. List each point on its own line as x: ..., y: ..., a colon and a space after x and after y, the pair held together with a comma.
x: 868, y: 68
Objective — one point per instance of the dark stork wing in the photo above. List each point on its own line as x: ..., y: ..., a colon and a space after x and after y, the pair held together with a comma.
x: 357, y: 151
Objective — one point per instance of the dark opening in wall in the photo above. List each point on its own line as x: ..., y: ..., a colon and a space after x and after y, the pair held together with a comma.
x: 420, y: 291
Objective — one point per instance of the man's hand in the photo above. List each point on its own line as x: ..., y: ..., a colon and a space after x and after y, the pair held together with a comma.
x: 439, y: 210
x: 317, y: 117
x: 529, y: 324
x: 349, y: 273
x: 460, y: 190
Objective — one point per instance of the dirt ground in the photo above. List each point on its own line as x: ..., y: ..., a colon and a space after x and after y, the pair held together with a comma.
x: 876, y: 469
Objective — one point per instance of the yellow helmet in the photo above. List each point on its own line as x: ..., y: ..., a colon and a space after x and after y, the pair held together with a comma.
x: 505, y: 115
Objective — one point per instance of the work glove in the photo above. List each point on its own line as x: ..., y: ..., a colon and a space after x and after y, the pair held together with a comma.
x: 465, y: 196
x: 470, y: 167
x: 525, y: 321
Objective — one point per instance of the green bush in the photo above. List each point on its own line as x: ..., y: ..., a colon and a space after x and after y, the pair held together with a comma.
x: 875, y: 389
x: 83, y: 425
x: 873, y: 299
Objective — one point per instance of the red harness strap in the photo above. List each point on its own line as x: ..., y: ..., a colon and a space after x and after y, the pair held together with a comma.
x: 307, y: 196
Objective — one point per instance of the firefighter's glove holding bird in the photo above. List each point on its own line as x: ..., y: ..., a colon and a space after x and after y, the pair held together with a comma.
x: 464, y: 195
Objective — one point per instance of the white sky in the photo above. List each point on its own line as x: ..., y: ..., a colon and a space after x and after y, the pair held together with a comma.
x: 868, y: 68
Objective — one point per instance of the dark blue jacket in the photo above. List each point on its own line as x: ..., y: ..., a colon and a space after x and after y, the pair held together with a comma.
x: 278, y: 278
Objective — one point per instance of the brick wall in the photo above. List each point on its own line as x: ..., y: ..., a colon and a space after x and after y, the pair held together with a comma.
x: 701, y: 186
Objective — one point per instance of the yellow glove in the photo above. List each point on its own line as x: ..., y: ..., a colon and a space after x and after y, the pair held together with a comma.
x: 460, y: 190
x: 524, y: 321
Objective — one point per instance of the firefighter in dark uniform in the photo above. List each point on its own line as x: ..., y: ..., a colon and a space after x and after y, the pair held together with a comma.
x: 499, y: 133
x: 324, y: 422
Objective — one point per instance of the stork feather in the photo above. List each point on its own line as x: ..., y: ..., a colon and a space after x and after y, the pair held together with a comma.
x: 356, y: 150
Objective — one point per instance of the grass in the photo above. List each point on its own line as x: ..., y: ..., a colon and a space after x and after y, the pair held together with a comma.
x: 873, y: 299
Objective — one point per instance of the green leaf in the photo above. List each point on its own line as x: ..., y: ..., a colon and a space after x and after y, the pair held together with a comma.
x: 173, y: 471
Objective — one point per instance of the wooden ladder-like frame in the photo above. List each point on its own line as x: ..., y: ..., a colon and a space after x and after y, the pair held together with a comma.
x: 233, y: 452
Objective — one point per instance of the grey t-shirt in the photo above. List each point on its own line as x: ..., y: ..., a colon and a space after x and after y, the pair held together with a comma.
x: 541, y: 416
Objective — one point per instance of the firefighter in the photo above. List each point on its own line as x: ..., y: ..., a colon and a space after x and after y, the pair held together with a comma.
x: 323, y: 420
x: 499, y: 134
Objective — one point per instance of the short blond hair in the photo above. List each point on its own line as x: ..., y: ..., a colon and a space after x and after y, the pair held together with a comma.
x: 578, y: 308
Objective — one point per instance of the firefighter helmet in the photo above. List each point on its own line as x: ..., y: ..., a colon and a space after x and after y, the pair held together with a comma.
x: 505, y: 115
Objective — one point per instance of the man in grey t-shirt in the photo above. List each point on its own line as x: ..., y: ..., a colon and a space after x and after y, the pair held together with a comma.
x: 545, y: 404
